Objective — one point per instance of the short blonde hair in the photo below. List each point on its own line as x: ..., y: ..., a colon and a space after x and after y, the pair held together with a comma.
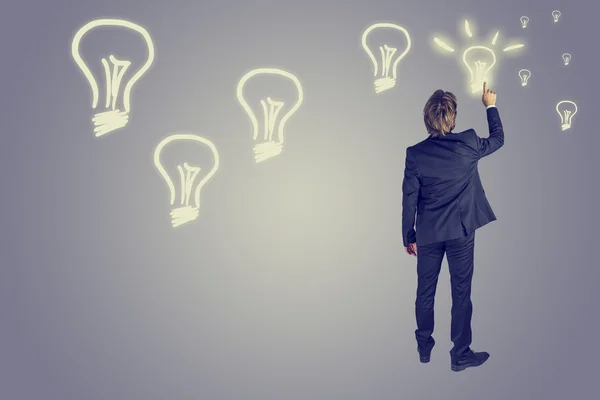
x: 439, y: 113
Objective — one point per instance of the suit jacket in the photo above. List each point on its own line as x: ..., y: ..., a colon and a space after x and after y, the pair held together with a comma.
x: 442, y: 185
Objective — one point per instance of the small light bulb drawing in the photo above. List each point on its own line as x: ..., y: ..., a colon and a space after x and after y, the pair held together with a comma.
x: 555, y: 15
x: 566, y: 58
x: 187, y: 176
x: 478, y: 60
x: 386, y: 70
x: 524, y: 21
x: 113, y: 116
x: 524, y: 74
x: 266, y: 146
x: 567, y: 110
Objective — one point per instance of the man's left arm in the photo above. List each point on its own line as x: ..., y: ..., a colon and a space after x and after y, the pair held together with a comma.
x: 410, y: 194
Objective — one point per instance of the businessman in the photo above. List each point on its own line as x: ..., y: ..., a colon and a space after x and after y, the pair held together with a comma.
x: 442, y: 187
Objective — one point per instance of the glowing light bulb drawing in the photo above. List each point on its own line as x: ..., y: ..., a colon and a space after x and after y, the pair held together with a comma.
x: 387, y: 72
x: 524, y: 21
x: 556, y: 15
x: 267, y: 147
x: 567, y: 110
x: 188, y: 208
x: 112, y: 117
x: 479, y: 60
x: 566, y: 58
x: 524, y: 74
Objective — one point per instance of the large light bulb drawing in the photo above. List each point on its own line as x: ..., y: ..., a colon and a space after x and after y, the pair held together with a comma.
x: 478, y: 60
x: 566, y: 58
x: 273, y: 123
x: 524, y: 74
x: 524, y: 21
x: 479, y: 64
x: 555, y: 15
x: 385, y: 71
x: 187, y: 176
x: 112, y: 116
x: 567, y: 110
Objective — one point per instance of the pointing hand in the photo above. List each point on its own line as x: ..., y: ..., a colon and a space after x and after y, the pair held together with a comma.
x: 489, y: 97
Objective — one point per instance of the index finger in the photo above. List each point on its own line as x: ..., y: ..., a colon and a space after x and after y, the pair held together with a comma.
x: 484, y: 87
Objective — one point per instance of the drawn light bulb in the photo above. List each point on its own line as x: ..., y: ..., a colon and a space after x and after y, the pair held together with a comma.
x: 555, y: 15
x: 566, y: 58
x: 272, y: 120
x: 186, y: 177
x: 524, y: 21
x: 479, y: 61
x: 117, y: 106
x: 386, y: 70
x: 524, y: 74
x: 567, y: 110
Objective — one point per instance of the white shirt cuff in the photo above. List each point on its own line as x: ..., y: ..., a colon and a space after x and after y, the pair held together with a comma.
x: 491, y: 105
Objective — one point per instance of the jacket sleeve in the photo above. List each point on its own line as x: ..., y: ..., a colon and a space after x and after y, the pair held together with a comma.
x: 410, y: 194
x: 487, y: 146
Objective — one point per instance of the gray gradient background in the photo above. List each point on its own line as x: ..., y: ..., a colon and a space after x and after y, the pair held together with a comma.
x: 293, y: 283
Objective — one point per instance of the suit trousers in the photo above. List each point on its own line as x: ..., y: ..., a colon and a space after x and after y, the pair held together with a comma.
x: 460, y: 255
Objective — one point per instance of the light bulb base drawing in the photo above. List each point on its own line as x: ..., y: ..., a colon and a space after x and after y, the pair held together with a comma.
x: 523, y: 83
x: 181, y: 215
x: 477, y: 87
x: 109, y: 121
x: 266, y: 150
x: 565, y: 126
x: 566, y: 63
x: 382, y: 84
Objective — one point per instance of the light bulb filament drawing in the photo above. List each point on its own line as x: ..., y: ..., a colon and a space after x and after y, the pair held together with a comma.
x: 189, y: 207
x: 566, y: 109
x: 113, y: 79
x: 524, y: 21
x: 387, y: 54
x: 271, y: 144
x: 271, y: 110
x: 524, y: 74
x: 113, y: 117
x: 566, y: 58
x: 555, y: 15
x: 478, y: 60
x: 187, y: 178
x: 387, y: 72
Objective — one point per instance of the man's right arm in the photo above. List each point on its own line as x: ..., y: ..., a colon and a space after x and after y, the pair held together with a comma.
x: 489, y: 145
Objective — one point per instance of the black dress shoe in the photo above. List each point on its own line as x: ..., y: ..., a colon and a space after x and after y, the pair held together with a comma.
x: 423, y: 357
x: 471, y: 359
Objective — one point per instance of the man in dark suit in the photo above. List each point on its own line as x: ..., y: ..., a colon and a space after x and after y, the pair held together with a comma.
x: 442, y: 187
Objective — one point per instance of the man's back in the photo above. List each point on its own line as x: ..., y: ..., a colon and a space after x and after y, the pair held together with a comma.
x: 451, y: 199
x: 442, y: 187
